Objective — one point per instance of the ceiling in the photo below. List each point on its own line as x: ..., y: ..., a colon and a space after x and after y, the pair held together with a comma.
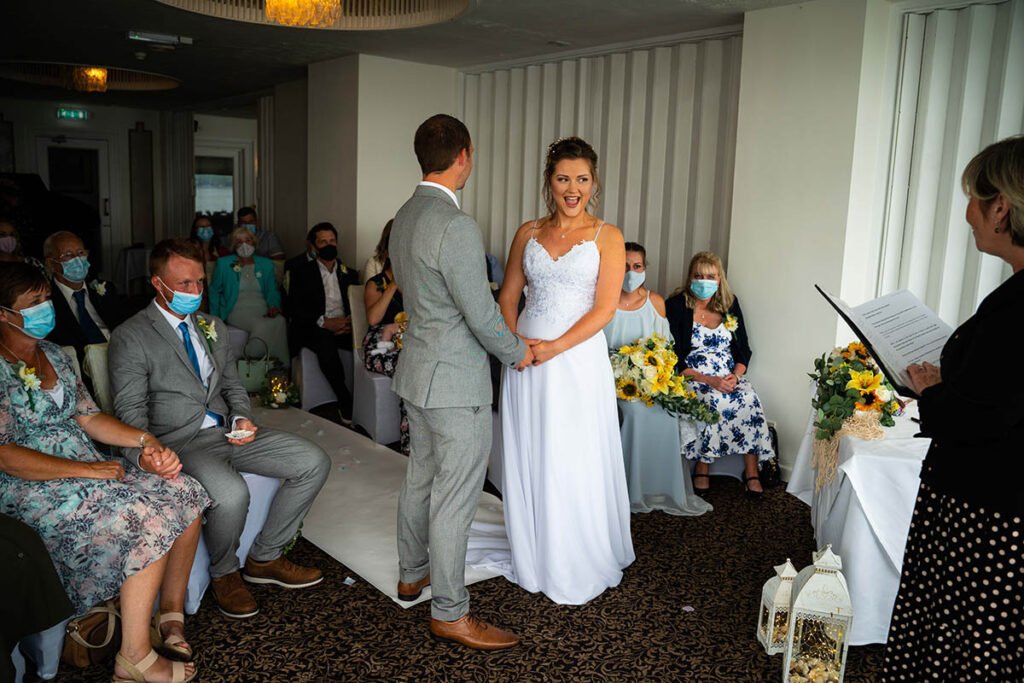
x: 231, y: 62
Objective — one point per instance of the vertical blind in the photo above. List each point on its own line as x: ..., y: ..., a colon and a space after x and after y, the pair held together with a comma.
x: 265, y: 158
x: 179, y: 183
x: 663, y: 123
x: 961, y: 88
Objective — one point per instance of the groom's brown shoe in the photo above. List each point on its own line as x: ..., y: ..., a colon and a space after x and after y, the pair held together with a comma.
x: 473, y: 633
x: 407, y: 592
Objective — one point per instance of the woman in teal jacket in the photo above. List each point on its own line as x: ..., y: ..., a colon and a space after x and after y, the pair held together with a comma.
x: 244, y: 293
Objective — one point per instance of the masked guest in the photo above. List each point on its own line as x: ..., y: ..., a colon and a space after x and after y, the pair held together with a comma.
x: 321, y: 319
x: 11, y: 248
x: 206, y: 237
x: 243, y: 293
x: 267, y: 243
x: 86, y: 310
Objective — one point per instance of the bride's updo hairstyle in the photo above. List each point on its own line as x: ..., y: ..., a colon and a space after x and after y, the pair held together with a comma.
x: 569, y: 148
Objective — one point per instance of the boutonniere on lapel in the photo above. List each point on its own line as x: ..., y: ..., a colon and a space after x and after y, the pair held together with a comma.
x: 732, y: 324
x: 343, y: 267
x: 208, y: 328
x: 99, y: 287
x: 237, y: 266
x: 29, y: 380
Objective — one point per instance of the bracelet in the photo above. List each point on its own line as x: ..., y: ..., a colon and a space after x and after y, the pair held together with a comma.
x: 142, y: 439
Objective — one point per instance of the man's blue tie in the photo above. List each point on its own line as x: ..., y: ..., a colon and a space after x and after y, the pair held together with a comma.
x: 194, y: 359
x: 93, y: 334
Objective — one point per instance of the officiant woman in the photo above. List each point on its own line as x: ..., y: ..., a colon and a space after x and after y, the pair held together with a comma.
x: 959, y: 613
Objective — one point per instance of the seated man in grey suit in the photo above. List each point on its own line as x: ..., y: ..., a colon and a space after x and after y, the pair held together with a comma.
x: 173, y: 373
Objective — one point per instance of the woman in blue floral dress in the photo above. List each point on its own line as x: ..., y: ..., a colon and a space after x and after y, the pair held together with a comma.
x: 711, y: 343
x: 110, y: 528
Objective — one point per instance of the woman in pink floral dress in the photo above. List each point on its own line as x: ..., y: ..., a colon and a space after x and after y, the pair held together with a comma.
x: 110, y: 527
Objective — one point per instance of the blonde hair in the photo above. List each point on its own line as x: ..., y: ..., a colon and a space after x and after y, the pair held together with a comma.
x: 999, y: 170
x: 723, y: 299
x: 239, y: 232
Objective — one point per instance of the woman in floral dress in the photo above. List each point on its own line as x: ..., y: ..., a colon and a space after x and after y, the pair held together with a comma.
x: 110, y: 528
x: 711, y: 343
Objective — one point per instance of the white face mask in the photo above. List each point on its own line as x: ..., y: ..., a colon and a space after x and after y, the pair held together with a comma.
x: 245, y: 250
x: 633, y: 280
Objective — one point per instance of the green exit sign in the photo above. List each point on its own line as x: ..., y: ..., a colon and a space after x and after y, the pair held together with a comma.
x: 71, y: 114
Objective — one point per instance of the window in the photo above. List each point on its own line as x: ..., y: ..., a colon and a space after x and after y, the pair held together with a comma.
x: 215, y: 185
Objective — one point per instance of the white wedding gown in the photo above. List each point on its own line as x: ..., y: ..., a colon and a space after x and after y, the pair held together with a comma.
x: 564, y: 482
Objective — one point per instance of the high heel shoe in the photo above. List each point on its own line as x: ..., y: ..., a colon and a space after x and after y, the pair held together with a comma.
x: 698, y: 490
x: 753, y: 495
x: 137, y: 670
x: 173, y: 645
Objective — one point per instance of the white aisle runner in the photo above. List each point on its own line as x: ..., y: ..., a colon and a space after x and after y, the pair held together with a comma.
x: 354, y: 519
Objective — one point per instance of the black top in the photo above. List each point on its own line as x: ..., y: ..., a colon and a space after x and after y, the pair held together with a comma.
x: 381, y: 281
x: 680, y: 322
x: 975, y: 416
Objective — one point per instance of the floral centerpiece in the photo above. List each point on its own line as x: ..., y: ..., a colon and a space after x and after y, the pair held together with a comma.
x: 646, y: 371
x: 851, y: 396
x: 278, y: 392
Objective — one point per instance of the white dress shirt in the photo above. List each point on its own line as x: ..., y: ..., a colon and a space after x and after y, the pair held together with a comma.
x: 199, y: 344
x: 69, y: 296
x: 333, y: 308
x: 447, y: 191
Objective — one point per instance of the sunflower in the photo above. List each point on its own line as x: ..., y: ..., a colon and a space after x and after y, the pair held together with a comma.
x: 627, y: 390
x: 865, y: 382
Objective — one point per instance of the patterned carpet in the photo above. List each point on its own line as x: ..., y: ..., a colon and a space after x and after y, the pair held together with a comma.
x: 641, y: 631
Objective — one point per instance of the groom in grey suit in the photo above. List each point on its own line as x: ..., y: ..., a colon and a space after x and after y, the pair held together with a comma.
x: 173, y: 373
x: 443, y: 376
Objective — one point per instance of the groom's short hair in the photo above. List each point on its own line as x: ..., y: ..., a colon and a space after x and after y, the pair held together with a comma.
x: 179, y: 247
x: 438, y: 141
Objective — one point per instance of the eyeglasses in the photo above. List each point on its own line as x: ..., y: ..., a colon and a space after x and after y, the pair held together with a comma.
x: 68, y: 255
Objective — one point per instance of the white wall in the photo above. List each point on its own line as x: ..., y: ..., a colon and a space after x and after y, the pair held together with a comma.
x: 333, y: 123
x: 35, y: 119
x: 808, y: 154
x: 232, y: 136
x: 395, y: 97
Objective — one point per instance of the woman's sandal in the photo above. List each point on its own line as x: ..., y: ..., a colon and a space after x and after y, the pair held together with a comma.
x: 175, y: 646
x: 137, y: 670
x: 696, y: 488
x: 756, y: 495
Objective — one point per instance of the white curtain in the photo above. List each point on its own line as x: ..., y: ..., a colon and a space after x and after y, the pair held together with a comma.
x: 961, y: 88
x: 663, y: 122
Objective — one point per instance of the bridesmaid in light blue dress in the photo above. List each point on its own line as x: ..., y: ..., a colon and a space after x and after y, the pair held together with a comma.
x: 650, y: 436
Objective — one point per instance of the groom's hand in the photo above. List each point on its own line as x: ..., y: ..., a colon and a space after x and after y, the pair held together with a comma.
x: 528, y: 357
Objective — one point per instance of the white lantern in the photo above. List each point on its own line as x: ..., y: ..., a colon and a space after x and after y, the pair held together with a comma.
x: 773, y: 621
x: 819, y: 623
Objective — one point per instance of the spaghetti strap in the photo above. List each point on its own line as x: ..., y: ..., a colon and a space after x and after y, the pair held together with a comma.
x: 533, y: 230
x: 598, y: 230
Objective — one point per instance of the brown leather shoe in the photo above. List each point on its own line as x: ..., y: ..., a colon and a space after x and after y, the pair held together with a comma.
x: 473, y: 633
x: 233, y: 598
x: 281, y: 572
x: 407, y: 592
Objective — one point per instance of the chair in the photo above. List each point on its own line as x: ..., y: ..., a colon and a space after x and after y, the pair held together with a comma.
x: 44, y: 649
x: 94, y: 366
x: 731, y: 465
x: 314, y: 390
x: 375, y: 407
x: 237, y: 338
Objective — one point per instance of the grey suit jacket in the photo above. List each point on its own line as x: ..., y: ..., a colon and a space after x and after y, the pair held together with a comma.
x: 155, y: 387
x: 438, y: 258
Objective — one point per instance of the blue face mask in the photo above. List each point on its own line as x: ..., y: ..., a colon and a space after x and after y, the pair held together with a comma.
x: 204, y: 234
x: 182, y: 303
x: 76, y: 269
x: 38, y: 321
x: 633, y: 280
x: 703, y: 289
x: 251, y: 227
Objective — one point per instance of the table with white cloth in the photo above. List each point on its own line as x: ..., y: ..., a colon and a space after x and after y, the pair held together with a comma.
x: 864, y: 513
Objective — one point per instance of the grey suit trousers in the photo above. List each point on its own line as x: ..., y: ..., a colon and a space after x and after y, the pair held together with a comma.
x: 437, y: 503
x: 301, y: 465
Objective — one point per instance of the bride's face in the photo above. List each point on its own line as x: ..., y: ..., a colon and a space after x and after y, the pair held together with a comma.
x: 572, y: 185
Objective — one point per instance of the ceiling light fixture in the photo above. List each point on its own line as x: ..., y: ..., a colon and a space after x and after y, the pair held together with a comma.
x: 85, y: 78
x: 159, y: 39
x: 89, y: 78
x: 339, y: 15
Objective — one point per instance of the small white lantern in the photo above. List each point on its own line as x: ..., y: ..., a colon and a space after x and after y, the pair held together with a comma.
x: 819, y: 623
x: 773, y: 621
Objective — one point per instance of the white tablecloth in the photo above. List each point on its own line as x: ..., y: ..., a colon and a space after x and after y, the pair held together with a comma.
x: 865, y: 514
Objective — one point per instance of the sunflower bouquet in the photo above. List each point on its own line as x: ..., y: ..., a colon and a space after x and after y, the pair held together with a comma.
x: 646, y: 371
x: 849, y: 382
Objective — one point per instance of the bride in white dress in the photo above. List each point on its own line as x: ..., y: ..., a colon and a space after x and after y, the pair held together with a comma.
x: 564, y: 484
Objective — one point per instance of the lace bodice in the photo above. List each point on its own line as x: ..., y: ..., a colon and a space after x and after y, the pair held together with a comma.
x: 560, y: 291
